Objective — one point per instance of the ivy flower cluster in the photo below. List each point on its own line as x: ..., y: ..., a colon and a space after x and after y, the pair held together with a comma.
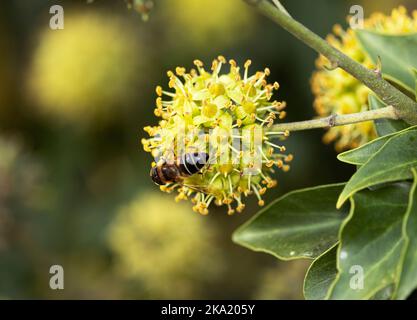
x: 131, y: 236
x: 227, y: 109
x: 337, y: 92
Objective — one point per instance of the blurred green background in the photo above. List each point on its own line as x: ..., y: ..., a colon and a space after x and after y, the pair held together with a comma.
x: 74, y: 184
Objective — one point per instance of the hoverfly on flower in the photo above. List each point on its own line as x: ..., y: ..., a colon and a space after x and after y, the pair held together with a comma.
x: 226, y: 116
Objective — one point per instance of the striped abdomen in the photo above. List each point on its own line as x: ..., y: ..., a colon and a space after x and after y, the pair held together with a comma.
x: 185, y: 166
x: 191, y: 163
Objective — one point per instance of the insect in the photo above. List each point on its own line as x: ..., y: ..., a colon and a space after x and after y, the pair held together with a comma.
x: 184, y: 166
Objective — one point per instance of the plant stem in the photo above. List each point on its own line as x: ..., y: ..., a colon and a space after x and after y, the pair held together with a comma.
x: 337, y: 120
x: 405, y: 107
x: 278, y: 4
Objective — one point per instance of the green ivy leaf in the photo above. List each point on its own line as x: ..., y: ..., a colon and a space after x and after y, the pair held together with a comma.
x: 361, y: 155
x: 320, y: 275
x: 398, y: 55
x: 371, y: 240
x: 393, y: 162
x: 385, y: 126
x: 301, y: 224
x: 408, y: 280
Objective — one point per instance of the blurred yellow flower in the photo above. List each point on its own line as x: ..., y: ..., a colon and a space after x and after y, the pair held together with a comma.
x: 207, y: 23
x: 89, y: 71
x: 163, y: 247
x: 337, y: 92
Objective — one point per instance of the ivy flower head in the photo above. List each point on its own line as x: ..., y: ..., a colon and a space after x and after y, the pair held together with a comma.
x: 82, y: 51
x: 226, y: 115
x: 220, y: 28
x: 150, y: 249
x: 337, y: 92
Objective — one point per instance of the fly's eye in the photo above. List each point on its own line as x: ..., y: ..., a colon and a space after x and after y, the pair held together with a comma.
x: 155, y: 176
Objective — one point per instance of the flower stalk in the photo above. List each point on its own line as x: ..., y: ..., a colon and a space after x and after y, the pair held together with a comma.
x: 406, y: 108
x: 338, y: 120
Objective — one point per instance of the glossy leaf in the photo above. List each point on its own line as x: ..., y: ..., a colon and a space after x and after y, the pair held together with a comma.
x: 385, y: 126
x: 301, y: 224
x: 320, y: 276
x: 398, y: 55
x: 371, y: 243
x: 393, y: 162
x: 362, y: 154
x: 408, y: 280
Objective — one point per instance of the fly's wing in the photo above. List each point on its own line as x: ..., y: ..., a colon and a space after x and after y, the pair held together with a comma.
x: 198, y: 188
x: 181, y: 183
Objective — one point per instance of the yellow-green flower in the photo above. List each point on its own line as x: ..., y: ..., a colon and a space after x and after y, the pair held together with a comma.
x: 88, y: 72
x: 207, y: 24
x: 164, y: 249
x: 337, y: 92
x: 231, y: 112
